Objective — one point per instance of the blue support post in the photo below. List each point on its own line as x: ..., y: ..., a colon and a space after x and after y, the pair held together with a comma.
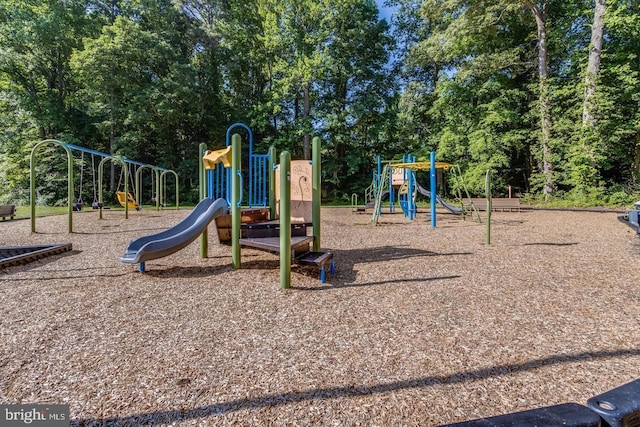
x: 432, y: 159
x: 378, y: 177
x: 392, y: 207
x: 411, y: 201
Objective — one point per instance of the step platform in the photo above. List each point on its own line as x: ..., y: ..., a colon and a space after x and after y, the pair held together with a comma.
x: 319, y: 259
x: 300, y: 253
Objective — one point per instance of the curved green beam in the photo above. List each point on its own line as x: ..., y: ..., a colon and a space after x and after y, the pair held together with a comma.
x: 138, y: 182
x: 33, y: 181
x: 126, y: 182
x: 163, y: 177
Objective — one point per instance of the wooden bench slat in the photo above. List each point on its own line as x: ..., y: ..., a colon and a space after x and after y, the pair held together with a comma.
x: 498, y: 203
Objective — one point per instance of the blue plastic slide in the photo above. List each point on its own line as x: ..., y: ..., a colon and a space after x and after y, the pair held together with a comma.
x: 447, y: 206
x: 177, y: 237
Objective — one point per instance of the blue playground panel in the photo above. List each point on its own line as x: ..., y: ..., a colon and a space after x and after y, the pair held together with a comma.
x: 219, y: 178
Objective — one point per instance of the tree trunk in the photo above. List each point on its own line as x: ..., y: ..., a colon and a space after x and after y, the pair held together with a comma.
x: 593, y: 67
x: 635, y: 168
x: 544, y: 101
x: 306, y: 113
x: 112, y: 139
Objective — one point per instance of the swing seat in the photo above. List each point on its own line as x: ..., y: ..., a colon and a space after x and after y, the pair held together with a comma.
x: 96, y: 205
x: 128, y: 199
x: 77, y: 207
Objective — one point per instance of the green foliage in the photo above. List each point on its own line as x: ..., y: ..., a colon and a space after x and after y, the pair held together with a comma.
x: 152, y: 79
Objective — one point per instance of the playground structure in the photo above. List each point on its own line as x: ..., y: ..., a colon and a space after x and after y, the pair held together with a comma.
x: 400, y: 178
x: 157, y: 172
x: 281, y: 228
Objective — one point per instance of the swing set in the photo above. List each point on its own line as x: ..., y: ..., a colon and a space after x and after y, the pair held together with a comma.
x: 129, y: 170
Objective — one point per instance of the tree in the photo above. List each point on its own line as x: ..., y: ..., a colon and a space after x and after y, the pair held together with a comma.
x: 38, y: 39
x: 539, y: 10
x: 593, y: 67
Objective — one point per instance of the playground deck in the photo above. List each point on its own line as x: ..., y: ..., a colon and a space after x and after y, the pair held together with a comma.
x: 419, y: 326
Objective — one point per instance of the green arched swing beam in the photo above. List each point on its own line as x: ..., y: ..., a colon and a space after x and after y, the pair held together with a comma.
x: 159, y: 173
x: 138, y: 184
x: 159, y: 190
x: 123, y: 164
x: 33, y: 181
x: 163, y: 178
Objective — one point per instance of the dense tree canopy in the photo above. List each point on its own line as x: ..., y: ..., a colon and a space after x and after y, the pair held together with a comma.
x: 544, y: 93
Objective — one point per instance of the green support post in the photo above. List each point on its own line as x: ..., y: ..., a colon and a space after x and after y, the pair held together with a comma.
x: 488, y: 196
x: 236, y: 216
x: 157, y: 189
x: 285, y: 220
x: 272, y: 182
x: 316, y: 193
x: 100, y: 176
x: 70, y: 190
x: 202, y: 173
x: 163, y: 178
x: 126, y: 188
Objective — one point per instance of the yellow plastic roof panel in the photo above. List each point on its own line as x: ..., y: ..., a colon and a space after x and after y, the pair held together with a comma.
x: 212, y: 158
x: 421, y: 165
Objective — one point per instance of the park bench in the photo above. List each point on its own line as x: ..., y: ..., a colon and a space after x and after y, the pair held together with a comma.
x: 497, y: 204
x: 7, y: 211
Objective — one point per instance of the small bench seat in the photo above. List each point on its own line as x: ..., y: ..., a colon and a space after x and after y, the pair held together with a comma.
x: 497, y: 204
x: 7, y: 211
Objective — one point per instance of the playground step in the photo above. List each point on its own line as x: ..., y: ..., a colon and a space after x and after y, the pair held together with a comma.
x: 272, y: 229
x: 314, y: 258
x: 318, y: 259
x: 299, y: 244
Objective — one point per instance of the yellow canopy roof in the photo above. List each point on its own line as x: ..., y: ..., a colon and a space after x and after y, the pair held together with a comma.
x: 212, y: 158
x: 421, y: 165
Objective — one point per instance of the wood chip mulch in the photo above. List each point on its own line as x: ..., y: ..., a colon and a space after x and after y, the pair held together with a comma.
x: 419, y: 326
